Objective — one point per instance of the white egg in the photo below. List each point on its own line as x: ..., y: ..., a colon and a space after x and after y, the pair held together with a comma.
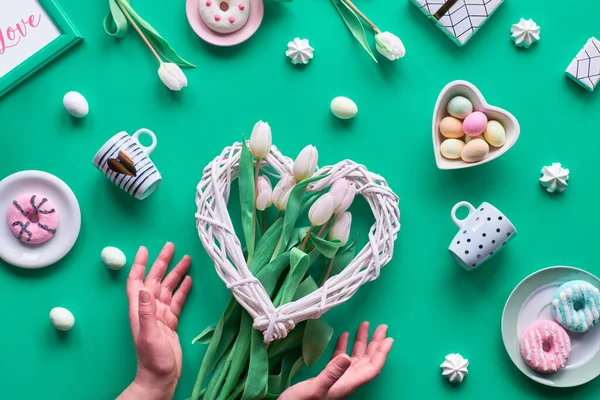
x: 76, y: 104
x: 113, y: 258
x: 343, y: 107
x: 62, y: 319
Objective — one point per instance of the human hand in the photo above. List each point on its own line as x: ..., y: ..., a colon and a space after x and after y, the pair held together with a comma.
x: 154, y: 309
x: 343, y: 375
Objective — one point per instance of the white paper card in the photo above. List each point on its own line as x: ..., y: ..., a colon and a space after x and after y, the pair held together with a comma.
x: 25, y: 28
x: 585, y: 67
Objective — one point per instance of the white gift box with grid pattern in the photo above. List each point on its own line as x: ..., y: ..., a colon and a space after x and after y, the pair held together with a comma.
x: 585, y: 67
x: 459, y: 19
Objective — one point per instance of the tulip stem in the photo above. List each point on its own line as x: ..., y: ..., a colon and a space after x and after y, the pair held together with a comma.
x: 303, y: 246
x: 363, y: 16
x: 137, y: 29
x: 329, y: 267
x: 264, y: 221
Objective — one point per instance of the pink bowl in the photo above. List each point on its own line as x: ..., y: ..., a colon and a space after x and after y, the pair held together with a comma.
x: 257, y: 11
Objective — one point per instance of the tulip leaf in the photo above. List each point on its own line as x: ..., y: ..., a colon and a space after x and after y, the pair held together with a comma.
x: 354, y: 23
x: 298, y: 235
x: 237, y: 359
x: 265, y: 247
x: 299, y: 263
x: 269, y: 275
x: 222, y: 337
x: 218, y: 372
x: 293, y: 339
x: 246, y: 182
x: 326, y: 247
x: 317, y: 335
x: 344, y: 257
x: 292, y: 211
x: 306, y: 287
x: 206, y: 335
x: 115, y: 22
x: 280, y: 382
x: 258, y: 370
x: 115, y: 26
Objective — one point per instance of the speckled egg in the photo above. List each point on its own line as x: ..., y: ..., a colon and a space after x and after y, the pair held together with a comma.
x: 474, y: 151
x: 475, y: 123
x: 76, y: 104
x: 451, y: 128
x: 459, y: 107
x: 452, y: 148
x: 495, y: 134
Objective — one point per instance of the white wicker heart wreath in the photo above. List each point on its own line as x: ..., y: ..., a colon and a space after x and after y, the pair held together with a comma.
x: 223, y: 246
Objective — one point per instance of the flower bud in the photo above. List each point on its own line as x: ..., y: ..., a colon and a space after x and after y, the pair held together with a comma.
x: 261, y: 140
x: 321, y: 211
x: 282, y: 191
x: 389, y: 45
x: 172, y: 76
x: 264, y: 193
x: 306, y: 163
x: 343, y: 193
x: 340, y: 230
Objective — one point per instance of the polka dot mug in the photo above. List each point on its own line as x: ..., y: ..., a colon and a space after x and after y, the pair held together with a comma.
x: 483, y: 232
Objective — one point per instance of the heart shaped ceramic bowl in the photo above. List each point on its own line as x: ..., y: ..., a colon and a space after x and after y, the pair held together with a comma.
x: 468, y: 90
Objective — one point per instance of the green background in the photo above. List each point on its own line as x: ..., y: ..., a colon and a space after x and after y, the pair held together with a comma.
x: 432, y: 306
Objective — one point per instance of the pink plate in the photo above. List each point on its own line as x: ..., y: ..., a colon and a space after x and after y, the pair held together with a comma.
x: 257, y: 10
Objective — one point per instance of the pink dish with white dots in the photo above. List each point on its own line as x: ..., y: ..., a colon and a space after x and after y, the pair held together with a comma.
x: 225, y: 22
x: 32, y: 218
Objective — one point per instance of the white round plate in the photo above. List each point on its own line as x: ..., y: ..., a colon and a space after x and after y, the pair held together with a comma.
x: 529, y: 302
x: 19, y: 254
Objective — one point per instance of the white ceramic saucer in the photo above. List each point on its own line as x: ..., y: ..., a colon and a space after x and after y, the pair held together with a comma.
x: 529, y: 302
x: 19, y: 254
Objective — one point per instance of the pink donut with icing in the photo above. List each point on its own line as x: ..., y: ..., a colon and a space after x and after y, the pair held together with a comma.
x: 545, y: 347
x: 32, y: 219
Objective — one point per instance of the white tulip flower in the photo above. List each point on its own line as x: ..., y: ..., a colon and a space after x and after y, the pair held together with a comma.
x: 321, y: 211
x: 261, y: 140
x: 306, y: 163
x: 343, y: 193
x: 172, y: 76
x: 340, y: 229
x: 282, y: 191
x: 389, y: 45
x: 264, y: 196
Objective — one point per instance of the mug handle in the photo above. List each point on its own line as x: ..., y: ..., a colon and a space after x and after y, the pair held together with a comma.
x: 459, y: 222
x: 147, y: 149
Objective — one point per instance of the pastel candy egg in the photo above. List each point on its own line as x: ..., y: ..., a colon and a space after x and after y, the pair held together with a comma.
x: 469, y: 138
x: 459, y: 107
x: 474, y: 151
x: 343, y: 107
x: 495, y: 134
x: 452, y: 148
x: 475, y: 123
x: 76, y: 104
x: 62, y: 319
x: 113, y: 258
x: 451, y: 128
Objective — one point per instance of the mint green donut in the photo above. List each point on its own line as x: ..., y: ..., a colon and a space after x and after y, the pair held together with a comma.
x: 576, y: 306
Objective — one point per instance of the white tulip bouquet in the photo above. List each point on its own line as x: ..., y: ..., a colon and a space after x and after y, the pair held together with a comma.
x: 290, y: 263
x: 295, y: 264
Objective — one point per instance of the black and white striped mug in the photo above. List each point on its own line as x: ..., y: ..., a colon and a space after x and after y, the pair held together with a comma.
x: 126, y: 162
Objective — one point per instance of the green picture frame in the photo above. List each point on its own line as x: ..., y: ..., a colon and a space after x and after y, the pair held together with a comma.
x: 69, y: 37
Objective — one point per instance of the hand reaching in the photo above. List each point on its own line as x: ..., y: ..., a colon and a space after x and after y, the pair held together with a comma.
x: 154, y: 310
x: 343, y: 375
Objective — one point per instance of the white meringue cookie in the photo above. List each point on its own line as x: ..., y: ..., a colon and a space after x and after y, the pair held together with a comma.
x: 299, y: 51
x: 554, y: 178
x: 525, y: 33
x: 454, y: 368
